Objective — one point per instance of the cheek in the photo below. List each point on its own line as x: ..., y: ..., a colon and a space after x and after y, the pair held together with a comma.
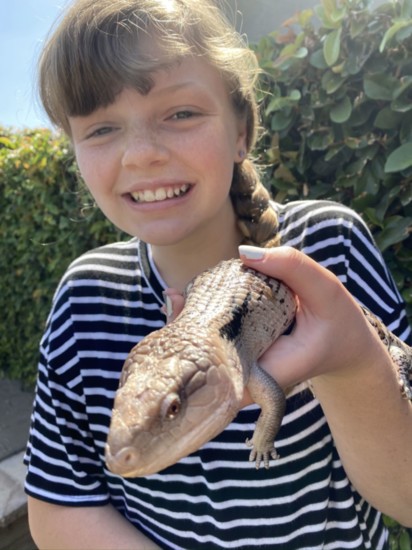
x: 94, y: 169
x: 215, y: 149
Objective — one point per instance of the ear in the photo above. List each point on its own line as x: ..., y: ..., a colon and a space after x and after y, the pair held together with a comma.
x: 241, y: 143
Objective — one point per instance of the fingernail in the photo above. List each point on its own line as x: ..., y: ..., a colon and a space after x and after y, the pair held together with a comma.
x: 169, y: 305
x: 251, y: 252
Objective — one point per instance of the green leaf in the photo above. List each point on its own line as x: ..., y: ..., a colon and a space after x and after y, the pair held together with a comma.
x: 331, y: 82
x: 331, y: 46
x: 392, y: 31
x: 380, y: 86
x: 406, y: 9
x: 342, y: 111
x: 320, y: 140
x: 280, y: 121
x: 301, y: 53
x: 304, y: 17
x: 402, y: 101
x: 317, y: 60
x: 387, y: 119
x: 404, y: 541
x: 399, y: 159
x: 396, y: 229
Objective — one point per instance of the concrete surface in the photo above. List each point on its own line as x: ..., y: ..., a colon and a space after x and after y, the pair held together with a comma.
x: 15, y: 410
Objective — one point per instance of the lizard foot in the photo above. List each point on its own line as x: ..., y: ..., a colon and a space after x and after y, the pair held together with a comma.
x: 402, y: 357
x: 263, y: 454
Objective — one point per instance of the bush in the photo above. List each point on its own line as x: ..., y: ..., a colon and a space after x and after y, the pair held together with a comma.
x: 338, y: 119
x: 44, y: 225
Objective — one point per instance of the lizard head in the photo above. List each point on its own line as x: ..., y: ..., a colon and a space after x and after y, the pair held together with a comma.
x: 159, y: 419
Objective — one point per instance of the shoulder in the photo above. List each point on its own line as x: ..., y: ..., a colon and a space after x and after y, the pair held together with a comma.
x: 114, y: 263
x: 298, y: 216
x: 99, y: 276
x: 339, y: 239
x: 321, y: 228
x: 116, y: 258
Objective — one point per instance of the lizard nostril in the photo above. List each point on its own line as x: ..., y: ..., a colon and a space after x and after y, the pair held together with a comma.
x: 128, y: 456
x: 123, y: 461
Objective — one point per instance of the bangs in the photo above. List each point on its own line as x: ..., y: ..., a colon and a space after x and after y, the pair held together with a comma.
x: 108, y: 57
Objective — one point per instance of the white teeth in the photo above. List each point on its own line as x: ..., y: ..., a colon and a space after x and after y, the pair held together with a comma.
x: 159, y: 194
x: 148, y: 196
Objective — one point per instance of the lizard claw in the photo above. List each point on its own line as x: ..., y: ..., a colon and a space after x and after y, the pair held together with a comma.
x: 259, y: 455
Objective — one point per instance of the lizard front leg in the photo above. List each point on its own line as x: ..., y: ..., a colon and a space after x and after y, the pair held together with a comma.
x: 267, y: 393
x: 403, y: 361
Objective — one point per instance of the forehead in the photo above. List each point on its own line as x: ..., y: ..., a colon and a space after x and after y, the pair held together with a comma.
x: 187, y: 73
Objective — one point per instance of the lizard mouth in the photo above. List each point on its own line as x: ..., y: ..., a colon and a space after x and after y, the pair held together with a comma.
x: 160, y: 194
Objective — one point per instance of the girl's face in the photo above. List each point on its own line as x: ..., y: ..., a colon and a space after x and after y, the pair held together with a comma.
x: 160, y: 165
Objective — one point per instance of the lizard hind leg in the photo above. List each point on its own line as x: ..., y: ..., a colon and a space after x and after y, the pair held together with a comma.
x: 266, y: 392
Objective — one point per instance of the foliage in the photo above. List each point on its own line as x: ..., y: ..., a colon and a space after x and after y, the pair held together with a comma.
x: 400, y: 537
x: 339, y: 117
x: 44, y: 225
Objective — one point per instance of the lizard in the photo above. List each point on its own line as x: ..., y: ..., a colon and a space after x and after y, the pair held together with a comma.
x: 183, y: 384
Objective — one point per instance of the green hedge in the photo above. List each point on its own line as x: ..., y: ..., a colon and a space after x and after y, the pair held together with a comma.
x: 46, y: 220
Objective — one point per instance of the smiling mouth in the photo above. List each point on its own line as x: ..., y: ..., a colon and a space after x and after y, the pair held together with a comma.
x: 160, y: 194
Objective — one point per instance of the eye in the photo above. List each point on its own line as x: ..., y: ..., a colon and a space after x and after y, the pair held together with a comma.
x: 101, y: 132
x: 171, y: 406
x: 183, y: 115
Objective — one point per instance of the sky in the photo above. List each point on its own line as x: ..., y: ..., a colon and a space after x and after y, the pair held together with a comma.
x: 23, y: 26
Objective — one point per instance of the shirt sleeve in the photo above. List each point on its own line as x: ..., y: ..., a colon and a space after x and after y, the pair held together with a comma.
x: 371, y: 283
x: 64, y: 466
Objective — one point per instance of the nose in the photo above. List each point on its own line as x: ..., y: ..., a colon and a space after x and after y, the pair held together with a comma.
x: 144, y: 149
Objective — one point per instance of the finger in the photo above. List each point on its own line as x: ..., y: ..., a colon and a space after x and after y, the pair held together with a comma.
x: 174, y: 303
x: 315, y: 285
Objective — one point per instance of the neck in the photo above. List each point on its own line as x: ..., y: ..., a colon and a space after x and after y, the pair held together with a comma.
x: 181, y: 262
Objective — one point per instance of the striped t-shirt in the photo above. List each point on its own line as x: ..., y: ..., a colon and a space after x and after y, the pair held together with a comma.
x: 107, y: 301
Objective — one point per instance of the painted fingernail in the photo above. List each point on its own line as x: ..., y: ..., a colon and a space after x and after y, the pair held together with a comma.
x: 251, y: 252
x: 169, y: 305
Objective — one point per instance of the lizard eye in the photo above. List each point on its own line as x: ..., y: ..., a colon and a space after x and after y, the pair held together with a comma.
x: 171, y: 406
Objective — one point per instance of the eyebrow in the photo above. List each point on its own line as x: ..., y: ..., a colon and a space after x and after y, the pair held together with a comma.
x: 177, y: 87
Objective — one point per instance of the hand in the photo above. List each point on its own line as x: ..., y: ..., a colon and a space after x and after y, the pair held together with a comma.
x: 330, y: 334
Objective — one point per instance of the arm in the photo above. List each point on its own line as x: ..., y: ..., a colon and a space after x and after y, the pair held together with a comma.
x: 353, y: 377
x: 83, y: 528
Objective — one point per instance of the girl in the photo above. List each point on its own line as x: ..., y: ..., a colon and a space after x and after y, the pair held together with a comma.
x: 157, y: 97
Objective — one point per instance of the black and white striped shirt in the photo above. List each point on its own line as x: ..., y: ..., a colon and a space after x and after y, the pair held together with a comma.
x: 108, y: 300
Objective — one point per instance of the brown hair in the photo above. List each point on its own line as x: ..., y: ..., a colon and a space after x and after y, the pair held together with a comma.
x: 93, y: 54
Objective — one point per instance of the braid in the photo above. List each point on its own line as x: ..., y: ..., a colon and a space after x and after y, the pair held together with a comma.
x: 257, y: 220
